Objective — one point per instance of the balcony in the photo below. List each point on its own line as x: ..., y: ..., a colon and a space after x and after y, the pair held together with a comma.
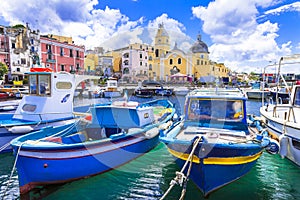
x: 50, y: 60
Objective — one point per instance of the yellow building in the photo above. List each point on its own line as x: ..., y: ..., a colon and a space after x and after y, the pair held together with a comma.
x: 61, y: 38
x: 163, y: 62
x: 90, y: 62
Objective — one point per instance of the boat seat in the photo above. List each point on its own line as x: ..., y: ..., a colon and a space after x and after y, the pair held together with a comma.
x: 94, y: 134
x: 75, y: 138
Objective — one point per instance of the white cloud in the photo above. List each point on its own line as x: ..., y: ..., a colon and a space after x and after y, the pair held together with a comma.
x: 77, y: 18
x: 285, y: 8
x: 238, y: 38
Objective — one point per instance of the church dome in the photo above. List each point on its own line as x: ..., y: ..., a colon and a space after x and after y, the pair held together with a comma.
x: 199, y: 46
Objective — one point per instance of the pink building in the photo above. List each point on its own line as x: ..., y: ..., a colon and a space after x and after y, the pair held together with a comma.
x: 4, y: 49
x: 61, y: 56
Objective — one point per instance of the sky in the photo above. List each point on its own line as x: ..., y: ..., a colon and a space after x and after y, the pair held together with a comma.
x: 245, y: 35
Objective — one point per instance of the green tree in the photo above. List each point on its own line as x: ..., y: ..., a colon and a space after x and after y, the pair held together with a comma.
x: 3, y: 70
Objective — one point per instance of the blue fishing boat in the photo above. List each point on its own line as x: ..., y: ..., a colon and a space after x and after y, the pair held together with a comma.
x: 214, y: 136
x: 117, y: 133
x: 49, y: 103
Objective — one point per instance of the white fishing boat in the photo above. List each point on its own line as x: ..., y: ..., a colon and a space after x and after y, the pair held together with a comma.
x: 282, y: 121
x: 49, y: 103
x: 111, y: 90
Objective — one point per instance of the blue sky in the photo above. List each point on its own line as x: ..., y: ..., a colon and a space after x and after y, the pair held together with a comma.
x: 246, y: 35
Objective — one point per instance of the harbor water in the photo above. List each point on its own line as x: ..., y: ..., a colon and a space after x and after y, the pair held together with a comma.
x: 148, y: 177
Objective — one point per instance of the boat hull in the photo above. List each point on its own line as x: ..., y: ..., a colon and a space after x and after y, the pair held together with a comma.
x: 53, y: 167
x: 217, y: 167
x: 290, y: 141
x: 6, y: 136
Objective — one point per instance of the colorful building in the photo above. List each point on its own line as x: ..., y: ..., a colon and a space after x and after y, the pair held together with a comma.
x: 60, y: 54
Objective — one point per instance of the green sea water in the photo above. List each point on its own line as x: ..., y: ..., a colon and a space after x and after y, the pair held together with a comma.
x: 148, y: 177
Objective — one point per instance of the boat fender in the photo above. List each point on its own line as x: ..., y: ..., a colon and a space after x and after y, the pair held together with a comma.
x: 151, y: 133
x: 273, y: 147
x: 6, y: 108
x: 20, y: 129
x: 283, y: 141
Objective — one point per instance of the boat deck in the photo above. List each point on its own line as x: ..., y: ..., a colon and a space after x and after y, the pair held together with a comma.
x: 212, y: 135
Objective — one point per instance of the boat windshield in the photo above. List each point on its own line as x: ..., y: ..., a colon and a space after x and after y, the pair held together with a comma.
x: 215, y: 109
x: 39, y: 85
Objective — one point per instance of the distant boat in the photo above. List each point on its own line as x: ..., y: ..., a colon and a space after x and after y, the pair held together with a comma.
x: 163, y: 91
x: 118, y: 133
x: 143, y: 92
x: 213, y: 143
x: 257, y: 91
x: 111, y: 90
x: 49, y: 103
x: 181, y: 91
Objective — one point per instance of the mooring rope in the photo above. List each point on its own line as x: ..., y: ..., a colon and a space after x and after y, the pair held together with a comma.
x: 4, y: 147
x: 12, y: 171
x: 180, y: 177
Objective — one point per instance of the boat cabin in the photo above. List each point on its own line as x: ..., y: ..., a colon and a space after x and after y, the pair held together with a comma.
x: 216, y: 109
x: 50, y: 96
x: 112, y: 85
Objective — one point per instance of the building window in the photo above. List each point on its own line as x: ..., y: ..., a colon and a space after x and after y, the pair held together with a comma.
x: 77, y: 54
x: 62, y: 68
x: 61, y: 51
x: 13, y: 45
x: 31, y: 40
x: 71, y: 53
x: 179, y: 61
x: 71, y: 69
x: 202, y: 56
x: 171, y: 61
x: 156, y: 53
x: 141, y: 47
x: 145, y: 72
x: 23, y: 61
x: 126, y: 62
x: 141, y: 63
x: 201, y: 62
x: 213, y: 69
x: 48, y: 47
x: 141, y: 56
x: 150, y: 57
x: 145, y: 64
x: 205, y: 63
x: 150, y: 67
x: 198, y: 62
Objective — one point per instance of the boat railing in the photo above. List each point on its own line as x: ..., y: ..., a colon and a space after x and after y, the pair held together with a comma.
x: 279, y: 76
x: 287, y: 114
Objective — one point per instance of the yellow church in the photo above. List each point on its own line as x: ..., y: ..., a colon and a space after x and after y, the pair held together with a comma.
x: 138, y: 62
